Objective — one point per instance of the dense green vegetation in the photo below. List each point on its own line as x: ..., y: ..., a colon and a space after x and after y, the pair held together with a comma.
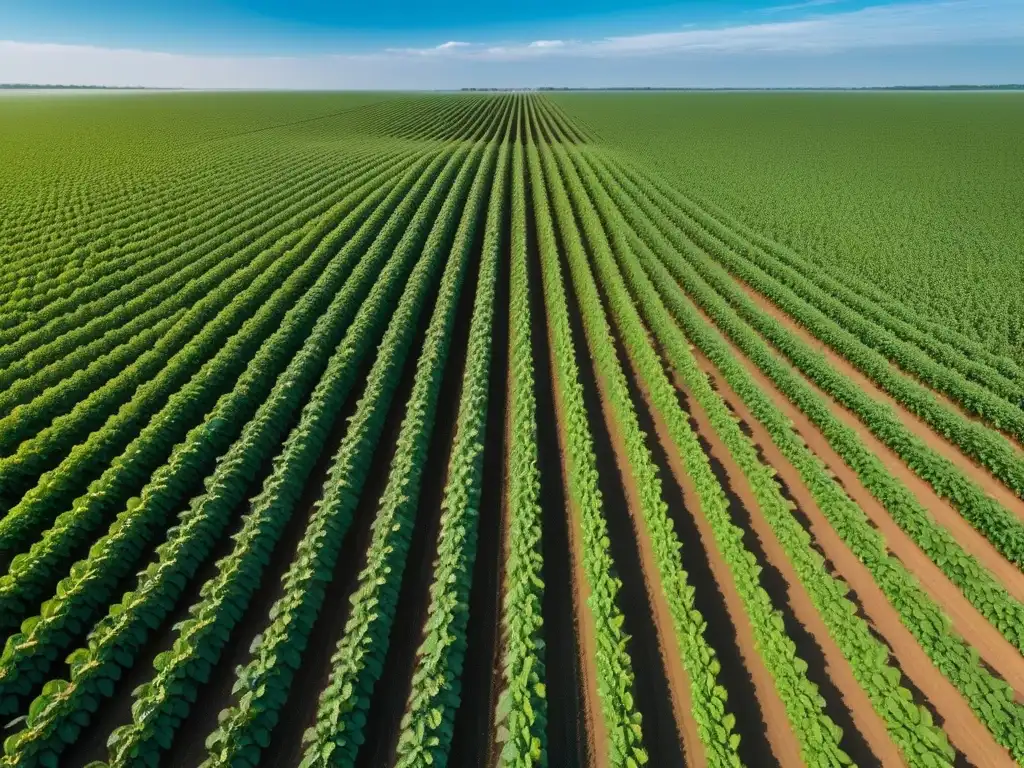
x: 510, y: 429
x: 916, y: 194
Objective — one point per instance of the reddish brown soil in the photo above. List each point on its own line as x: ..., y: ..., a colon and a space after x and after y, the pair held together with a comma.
x: 597, y: 733
x: 668, y: 641
x: 784, y: 744
x: 652, y: 686
x: 943, y: 398
x: 980, y: 475
x: 940, y: 509
x: 473, y: 732
x: 570, y: 728
x: 868, y: 722
x: 720, y: 632
x: 997, y: 652
x: 965, y: 732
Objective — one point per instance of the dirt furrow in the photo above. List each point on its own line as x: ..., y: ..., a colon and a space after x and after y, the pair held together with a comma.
x: 940, y: 509
x: 877, y: 747
x: 575, y: 728
x: 675, y: 673
x: 597, y: 733
x: 994, y: 649
x: 938, y: 443
x: 965, y: 732
x: 473, y: 729
x: 651, y: 684
x: 784, y: 744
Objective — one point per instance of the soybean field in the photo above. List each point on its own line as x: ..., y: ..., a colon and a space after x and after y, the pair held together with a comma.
x: 510, y: 429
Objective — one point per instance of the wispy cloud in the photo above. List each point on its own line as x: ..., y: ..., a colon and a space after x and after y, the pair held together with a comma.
x: 800, y: 6
x: 894, y: 26
x: 444, y: 48
x: 898, y: 24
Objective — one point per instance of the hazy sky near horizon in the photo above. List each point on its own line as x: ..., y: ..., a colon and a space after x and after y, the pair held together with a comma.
x: 459, y: 43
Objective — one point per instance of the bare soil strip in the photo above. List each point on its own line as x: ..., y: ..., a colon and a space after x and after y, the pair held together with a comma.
x: 651, y: 688
x: 576, y: 729
x: 473, y: 730
x: 784, y: 745
x: 387, y: 705
x: 980, y: 475
x: 875, y: 746
x: 677, y: 677
x: 721, y: 632
x: 943, y: 398
x: 597, y: 733
x: 940, y: 509
x: 965, y: 732
x: 994, y: 649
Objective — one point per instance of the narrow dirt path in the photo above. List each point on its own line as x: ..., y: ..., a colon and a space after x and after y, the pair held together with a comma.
x: 473, y: 730
x: 784, y: 744
x: 675, y: 672
x: 867, y: 722
x: 943, y: 398
x: 568, y: 660
x: 597, y: 733
x: 965, y: 732
x: 652, y: 683
x: 979, y: 474
x: 994, y: 649
x: 940, y: 509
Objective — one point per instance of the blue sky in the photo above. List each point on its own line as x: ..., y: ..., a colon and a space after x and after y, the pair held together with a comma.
x: 406, y: 44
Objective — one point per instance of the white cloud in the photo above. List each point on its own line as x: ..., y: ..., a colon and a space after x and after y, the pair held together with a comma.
x: 452, y: 46
x: 901, y: 24
x: 800, y: 6
x: 946, y: 22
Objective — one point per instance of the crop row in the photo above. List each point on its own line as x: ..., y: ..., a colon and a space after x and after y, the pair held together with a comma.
x: 910, y: 727
x: 434, y: 696
x: 96, y: 244
x: 614, y: 670
x: 817, y: 734
x: 994, y: 521
x: 29, y: 654
x: 262, y: 685
x: 116, y: 640
x: 875, y: 318
x: 86, y: 314
x: 359, y: 657
x: 94, y: 388
x: 521, y: 715
x: 992, y: 699
x: 160, y: 408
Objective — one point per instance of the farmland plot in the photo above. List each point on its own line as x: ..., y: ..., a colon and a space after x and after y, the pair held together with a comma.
x: 441, y: 430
